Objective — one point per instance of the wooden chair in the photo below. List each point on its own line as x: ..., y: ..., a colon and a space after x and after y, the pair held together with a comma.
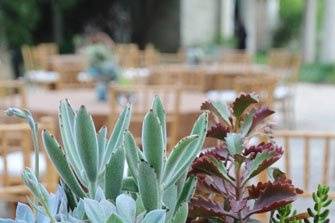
x: 279, y: 58
x: 262, y: 85
x: 68, y: 67
x: 141, y: 97
x: 43, y: 54
x: 150, y: 56
x: 310, y: 153
x: 16, y: 153
x: 29, y: 61
x: 128, y: 55
x: 12, y: 93
x: 236, y: 56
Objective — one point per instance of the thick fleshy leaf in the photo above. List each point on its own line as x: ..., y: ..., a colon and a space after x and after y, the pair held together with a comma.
x: 157, y: 216
x: 260, y: 115
x: 219, y: 109
x: 213, y: 183
x: 188, y: 190
x: 246, y: 124
x: 58, y: 159
x: 170, y: 200
x: 181, y: 214
x: 87, y: 143
x: 24, y: 213
x: 102, y: 140
x: 241, y: 103
x: 132, y: 156
x: 211, y: 166
x: 66, y: 124
x: 116, y: 137
x: 234, y: 143
x: 218, y: 131
x: 98, y: 212
x: 114, y: 219
x: 176, y: 159
x: 270, y: 196
x: 158, y: 109
x: 201, y: 207
x: 263, y: 156
x: 153, y: 142
x: 148, y: 187
x: 129, y: 184
x: 126, y: 207
x: 114, y: 174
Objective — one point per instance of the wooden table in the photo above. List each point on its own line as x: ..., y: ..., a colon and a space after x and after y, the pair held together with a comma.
x: 42, y: 103
x: 217, y: 76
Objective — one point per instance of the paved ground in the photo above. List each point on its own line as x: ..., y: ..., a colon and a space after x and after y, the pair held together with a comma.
x: 315, y: 110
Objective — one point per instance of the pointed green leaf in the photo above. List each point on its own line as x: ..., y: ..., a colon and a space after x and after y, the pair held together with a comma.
x: 120, y: 126
x: 155, y: 216
x: 114, y: 174
x: 177, y: 156
x: 158, y: 109
x: 170, y: 200
x: 148, y: 187
x: 131, y: 151
x: 181, y: 214
x: 66, y: 123
x: 58, y: 159
x: 222, y: 110
x: 87, y: 143
x: 102, y: 139
x: 152, y: 141
x: 129, y: 184
x: 200, y: 129
x: 246, y: 125
x: 114, y: 219
x: 234, y: 143
x: 188, y: 190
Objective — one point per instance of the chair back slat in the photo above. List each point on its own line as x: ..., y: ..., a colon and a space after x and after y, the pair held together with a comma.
x: 141, y: 98
x: 312, y: 143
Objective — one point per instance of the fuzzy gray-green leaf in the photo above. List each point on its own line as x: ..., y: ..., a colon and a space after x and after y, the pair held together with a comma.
x: 131, y: 151
x: 87, y: 143
x: 181, y: 214
x: 57, y: 156
x: 114, y: 174
x: 152, y: 141
x: 158, y: 109
x: 188, y: 190
x: 120, y: 126
x: 148, y: 187
x: 234, y: 143
x: 101, y: 137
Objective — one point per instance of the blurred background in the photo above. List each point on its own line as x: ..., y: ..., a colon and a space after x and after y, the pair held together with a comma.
x: 105, y: 53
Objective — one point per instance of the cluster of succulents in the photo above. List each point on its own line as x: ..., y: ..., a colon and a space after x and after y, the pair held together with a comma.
x: 114, y: 180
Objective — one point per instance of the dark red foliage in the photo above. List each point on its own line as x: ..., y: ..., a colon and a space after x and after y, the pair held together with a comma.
x: 272, y: 195
x: 252, y: 151
x: 260, y: 115
x: 241, y: 103
x: 219, y: 152
x: 218, y: 131
x: 204, y: 165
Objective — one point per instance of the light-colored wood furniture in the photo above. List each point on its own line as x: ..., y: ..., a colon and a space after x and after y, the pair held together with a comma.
x: 306, y: 152
x: 141, y: 97
x: 16, y: 153
x: 43, y: 53
x: 68, y: 67
x: 150, y: 56
x: 12, y: 93
x: 236, y: 56
x: 128, y: 55
x: 262, y: 85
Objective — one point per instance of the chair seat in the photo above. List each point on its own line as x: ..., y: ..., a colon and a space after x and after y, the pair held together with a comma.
x: 223, y: 96
x: 15, y: 163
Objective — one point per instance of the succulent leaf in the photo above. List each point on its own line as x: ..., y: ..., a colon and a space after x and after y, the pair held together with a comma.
x: 158, y: 109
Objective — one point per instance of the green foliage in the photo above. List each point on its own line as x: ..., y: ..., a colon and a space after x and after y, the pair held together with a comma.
x: 291, y: 17
x: 318, y: 73
x: 320, y: 211
x: 283, y: 214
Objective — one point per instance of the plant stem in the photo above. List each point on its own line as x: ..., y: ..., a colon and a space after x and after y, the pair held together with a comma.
x: 238, y: 188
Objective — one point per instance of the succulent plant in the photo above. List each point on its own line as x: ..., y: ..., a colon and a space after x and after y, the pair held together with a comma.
x: 162, y: 180
x: 226, y: 171
x: 90, y: 163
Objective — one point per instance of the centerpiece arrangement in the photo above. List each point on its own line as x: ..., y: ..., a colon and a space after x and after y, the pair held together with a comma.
x: 186, y: 185
x: 102, y: 67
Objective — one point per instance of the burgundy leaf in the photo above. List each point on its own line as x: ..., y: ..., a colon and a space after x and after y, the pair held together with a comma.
x: 219, y: 109
x: 201, y: 207
x: 218, y: 131
x: 261, y: 157
x: 237, y: 205
x: 219, y: 152
x: 260, y: 115
x: 214, y: 184
x: 272, y: 195
x: 206, y: 165
x: 241, y: 103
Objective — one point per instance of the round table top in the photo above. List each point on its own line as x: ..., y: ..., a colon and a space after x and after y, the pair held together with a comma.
x: 47, y: 102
